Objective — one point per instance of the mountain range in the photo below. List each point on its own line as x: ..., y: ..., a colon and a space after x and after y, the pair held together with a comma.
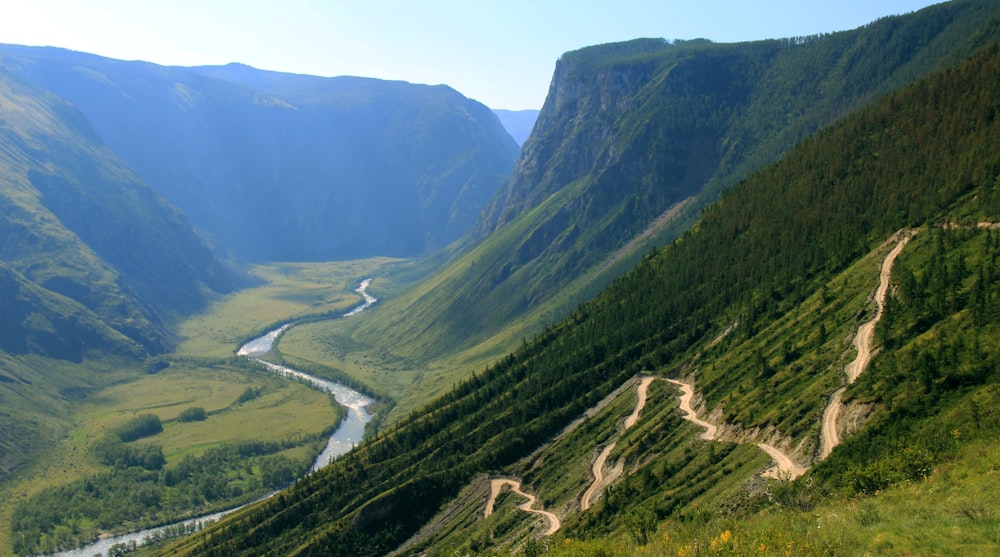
x: 133, y: 195
x: 684, y: 213
x: 635, y: 139
x: 280, y: 166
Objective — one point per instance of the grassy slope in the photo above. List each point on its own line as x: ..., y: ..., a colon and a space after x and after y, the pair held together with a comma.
x: 941, y: 513
x: 289, y: 292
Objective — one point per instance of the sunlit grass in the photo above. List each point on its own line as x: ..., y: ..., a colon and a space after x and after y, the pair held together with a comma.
x: 955, y: 511
x: 289, y: 291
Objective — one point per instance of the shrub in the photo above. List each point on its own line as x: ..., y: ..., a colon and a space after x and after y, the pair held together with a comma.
x: 193, y: 414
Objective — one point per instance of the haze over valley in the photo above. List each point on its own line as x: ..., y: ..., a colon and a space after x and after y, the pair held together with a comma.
x: 734, y: 297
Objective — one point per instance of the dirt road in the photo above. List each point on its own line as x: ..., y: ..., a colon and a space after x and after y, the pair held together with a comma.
x: 597, y: 469
x: 829, y: 438
x: 784, y: 468
x: 515, y: 486
x: 863, y: 338
x: 640, y: 403
x: 687, y: 393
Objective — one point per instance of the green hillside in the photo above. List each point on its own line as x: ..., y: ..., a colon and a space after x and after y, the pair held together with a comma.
x: 634, y: 140
x: 757, y: 304
x: 95, y: 268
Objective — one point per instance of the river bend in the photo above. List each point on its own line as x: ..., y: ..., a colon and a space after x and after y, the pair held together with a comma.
x: 348, y: 434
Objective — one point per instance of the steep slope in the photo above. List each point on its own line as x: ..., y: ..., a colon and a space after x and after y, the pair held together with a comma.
x: 290, y: 167
x: 93, y: 264
x: 79, y: 224
x: 758, y: 302
x: 632, y: 142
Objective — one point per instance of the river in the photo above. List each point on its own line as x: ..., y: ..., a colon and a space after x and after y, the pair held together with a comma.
x: 347, y: 435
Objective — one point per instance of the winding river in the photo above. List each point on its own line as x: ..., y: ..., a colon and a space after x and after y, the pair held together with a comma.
x: 346, y: 436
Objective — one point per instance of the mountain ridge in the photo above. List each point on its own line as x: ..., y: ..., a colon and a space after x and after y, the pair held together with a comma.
x: 290, y: 167
x: 95, y: 268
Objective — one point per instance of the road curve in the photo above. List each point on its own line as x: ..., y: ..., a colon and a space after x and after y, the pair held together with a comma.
x: 598, y: 470
x: 640, y: 403
x: 863, y: 338
x: 785, y: 468
x: 828, y: 436
x: 515, y: 486
x: 687, y: 393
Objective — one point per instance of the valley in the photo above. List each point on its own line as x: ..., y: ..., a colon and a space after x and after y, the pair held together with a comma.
x: 278, y: 410
x: 760, y: 302
x: 345, y: 436
x: 741, y: 299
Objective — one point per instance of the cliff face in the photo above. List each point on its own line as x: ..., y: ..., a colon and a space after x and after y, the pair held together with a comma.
x: 659, y: 121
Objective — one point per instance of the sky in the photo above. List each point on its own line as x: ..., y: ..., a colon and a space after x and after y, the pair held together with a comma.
x: 499, y: 52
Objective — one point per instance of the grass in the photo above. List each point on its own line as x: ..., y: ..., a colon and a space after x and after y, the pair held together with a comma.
x: 796, y: 360
x: 955, y: 511
x: 410, y: 381
x: 661, y: 455
x: 289, y: 291
x: 285, y: 410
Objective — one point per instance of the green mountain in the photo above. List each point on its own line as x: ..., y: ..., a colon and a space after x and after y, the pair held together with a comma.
x: 633, y: 141
x: 93, y: 263
x: 282, y: 167
x: 80, y: 225
x: 757, y: 305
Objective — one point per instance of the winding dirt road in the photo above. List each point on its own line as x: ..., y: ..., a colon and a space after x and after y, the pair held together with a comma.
x: 784, y: 467
x: 597, y: 469
x: 687, y: 394
x: 863, y: 338
x: 640, y: 401
x: 829, y: 438
x: 515, y: 486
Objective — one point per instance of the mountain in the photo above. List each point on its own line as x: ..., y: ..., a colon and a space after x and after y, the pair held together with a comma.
x: 518, y: 123
x: 289, y: 167
x: 94, y: 265
x: 87, y: 233
x: 757, y: 305
x: 633, y: 141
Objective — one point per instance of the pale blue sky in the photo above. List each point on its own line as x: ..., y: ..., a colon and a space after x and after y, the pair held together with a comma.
x: 500, y: 52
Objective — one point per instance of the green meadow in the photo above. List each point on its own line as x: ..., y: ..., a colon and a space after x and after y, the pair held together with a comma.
x: 287, y: 292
